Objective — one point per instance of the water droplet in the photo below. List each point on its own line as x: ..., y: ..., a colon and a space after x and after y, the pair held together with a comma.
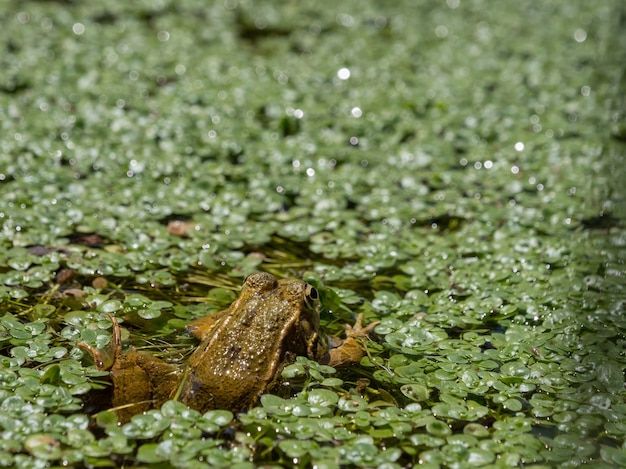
x: 580, y: 35
x: 343, y: 73
x: 78, y: 29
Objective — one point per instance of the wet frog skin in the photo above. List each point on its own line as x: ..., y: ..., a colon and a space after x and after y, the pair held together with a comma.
x: 241, y: 354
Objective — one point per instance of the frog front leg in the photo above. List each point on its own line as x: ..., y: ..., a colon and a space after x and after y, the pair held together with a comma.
x: 201, y: 328
x: 351, y: 350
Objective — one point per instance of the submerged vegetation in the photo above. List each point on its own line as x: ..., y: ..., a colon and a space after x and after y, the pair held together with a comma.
x: 452, y: 170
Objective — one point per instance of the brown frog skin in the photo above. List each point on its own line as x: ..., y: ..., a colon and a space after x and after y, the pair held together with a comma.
x: 242, y: 352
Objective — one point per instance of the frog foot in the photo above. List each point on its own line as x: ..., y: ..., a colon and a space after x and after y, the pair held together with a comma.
x: 351, y: 350
x: 104, y: 359
x: 358, y: 331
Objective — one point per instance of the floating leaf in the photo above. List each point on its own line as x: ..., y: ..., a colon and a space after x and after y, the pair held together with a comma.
x: 416, y: 392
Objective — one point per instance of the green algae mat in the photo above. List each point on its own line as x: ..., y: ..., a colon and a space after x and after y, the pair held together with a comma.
x: 452, y: 169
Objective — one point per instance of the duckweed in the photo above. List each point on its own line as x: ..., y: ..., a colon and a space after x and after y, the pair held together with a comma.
x: 451, y: 170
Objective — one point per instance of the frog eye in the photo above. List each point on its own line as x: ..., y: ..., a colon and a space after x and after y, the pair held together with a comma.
x: 311, y: 292
x: 311, y: 296
x: 260, y: 281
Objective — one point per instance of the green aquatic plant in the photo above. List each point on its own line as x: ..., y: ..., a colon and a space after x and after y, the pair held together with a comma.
x: 451, y: 170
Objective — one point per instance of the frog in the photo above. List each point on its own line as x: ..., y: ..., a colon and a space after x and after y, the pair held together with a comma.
x: 241, y: 353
